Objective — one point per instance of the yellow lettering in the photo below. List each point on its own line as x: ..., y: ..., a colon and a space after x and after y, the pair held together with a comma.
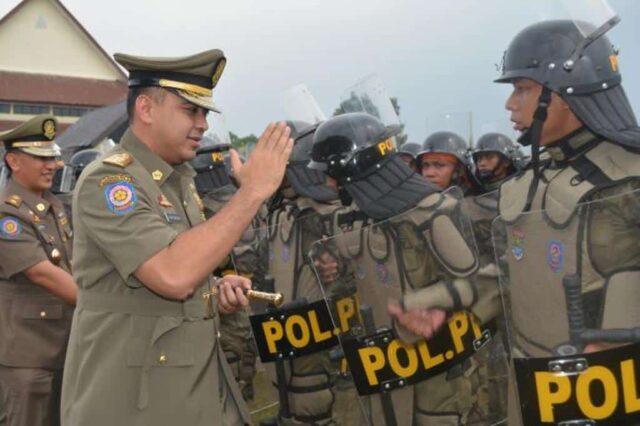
x: 412, y: 357
x: 303, y: 340
x: 459, y: 325
x: 372, y: 360
x: 583, y: 392
x: 547, y: 398
x: 629, y: 386
x: 427, y: 360
x: 346, y: 310
x: 385, y: 147
x: 217, y: 157
x: 475, y: 325
x: 318, y: 335
x: 272, y: 333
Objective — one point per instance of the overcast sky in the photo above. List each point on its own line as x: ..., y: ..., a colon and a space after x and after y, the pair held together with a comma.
x: 434, y: 55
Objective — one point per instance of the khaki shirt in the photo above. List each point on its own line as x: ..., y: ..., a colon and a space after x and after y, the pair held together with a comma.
x: 134, y: 357
x: 34, y: 324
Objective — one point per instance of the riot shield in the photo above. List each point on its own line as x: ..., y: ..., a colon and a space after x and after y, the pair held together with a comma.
x: 460, y: 123
x: 299, y: 104
x: 370, y: 95
x: 568, y: 280
x: 415, y: 349
x: 293, y: 342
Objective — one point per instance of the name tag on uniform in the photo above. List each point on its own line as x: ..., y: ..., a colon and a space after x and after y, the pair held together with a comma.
x: 172, y: 217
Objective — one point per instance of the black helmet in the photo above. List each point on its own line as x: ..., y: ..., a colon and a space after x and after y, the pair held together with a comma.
x: 583, y: 71
x: 304, y: 180
x: 209, y: 165
x: 356, y: 149
x: 410, y: 148
x: 500, y: 144
x: 446, y: 143
x: 349, y: 144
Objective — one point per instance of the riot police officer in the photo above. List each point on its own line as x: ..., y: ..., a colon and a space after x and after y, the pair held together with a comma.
x: 571, y: 218
x: 67, y: 175
x: 397, y: 257
x: 444, y: 161
x: 496, y: 159
x: 215, y: 187
x: 302, y: 212
x: 408, y: 152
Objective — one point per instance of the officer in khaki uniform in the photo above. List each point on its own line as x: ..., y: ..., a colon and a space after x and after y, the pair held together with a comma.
x: 37, y: 291
x: 216, y: 189
x: 572, y: 214
x: 144, y: 347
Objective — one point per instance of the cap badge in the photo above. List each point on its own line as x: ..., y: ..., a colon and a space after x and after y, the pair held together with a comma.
x: 49, y: 129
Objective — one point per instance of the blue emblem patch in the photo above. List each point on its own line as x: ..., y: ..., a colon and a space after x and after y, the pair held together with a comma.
x: 121, y: 197
x: 555, y: 255
x: 285, y: 254
x: 10, y: 227
x: 383, y: 274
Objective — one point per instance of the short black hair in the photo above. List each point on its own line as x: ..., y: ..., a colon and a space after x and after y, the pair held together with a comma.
x: 135, y: 92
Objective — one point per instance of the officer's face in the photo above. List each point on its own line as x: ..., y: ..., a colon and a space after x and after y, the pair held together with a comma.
x: 491, y: 162
x: 438, y: 172
x: 522, y: 104
x: 410, y: 161
x: 33, y: 173
x: 177, y: 128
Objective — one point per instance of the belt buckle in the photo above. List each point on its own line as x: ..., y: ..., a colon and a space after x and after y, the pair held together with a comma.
x: 209, y: 309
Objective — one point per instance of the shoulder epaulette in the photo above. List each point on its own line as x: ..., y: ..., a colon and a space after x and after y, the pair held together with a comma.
x: 14, y: 200
x: 121, y: 159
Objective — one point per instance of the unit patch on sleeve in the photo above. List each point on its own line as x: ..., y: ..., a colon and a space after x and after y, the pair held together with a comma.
x: 10, y: 227
x: 121, y: 197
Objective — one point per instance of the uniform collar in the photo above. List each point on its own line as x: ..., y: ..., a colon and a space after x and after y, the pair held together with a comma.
x: 38, y: 205
x: 159, y: 169
x: 572, y: 146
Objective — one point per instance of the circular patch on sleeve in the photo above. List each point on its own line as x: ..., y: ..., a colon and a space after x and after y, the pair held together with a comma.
x: 121, y: 197
x: 10, y: 227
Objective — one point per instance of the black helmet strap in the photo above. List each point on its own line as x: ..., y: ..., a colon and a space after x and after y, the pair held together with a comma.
x: 532, y: 136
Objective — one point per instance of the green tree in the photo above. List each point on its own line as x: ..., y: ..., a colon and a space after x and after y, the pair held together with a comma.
x: 244, y: 145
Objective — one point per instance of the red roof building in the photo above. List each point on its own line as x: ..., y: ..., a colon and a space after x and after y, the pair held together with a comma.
x: 49, y: 63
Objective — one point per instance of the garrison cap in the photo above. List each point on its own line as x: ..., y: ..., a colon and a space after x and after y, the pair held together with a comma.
x: 191, y: 77
x: 35, y: 137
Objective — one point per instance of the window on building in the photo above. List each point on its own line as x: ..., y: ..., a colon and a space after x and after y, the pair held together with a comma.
x: 5, y: 108
x: 63, y: 111
x: 31, y: 109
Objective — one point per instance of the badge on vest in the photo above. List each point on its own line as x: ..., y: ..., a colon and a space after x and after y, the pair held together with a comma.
x: 555, y: 255
x: 172, y: 217
x: 285, y: 254
x: 518, y: 243
x: 383, y: 274
x: 10, y: 227
x: 121, y: 197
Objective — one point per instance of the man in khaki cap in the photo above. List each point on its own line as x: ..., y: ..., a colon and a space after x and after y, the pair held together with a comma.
x: 37, y: 291
x: 143, y: 347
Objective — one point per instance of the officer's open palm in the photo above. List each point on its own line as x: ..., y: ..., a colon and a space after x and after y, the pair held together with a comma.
x: 421, y: 322
x: 263, y: 172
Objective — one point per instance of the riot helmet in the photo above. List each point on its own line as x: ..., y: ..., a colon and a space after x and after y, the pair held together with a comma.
x: 306, y: 181
x: 409, y: 153
x: 67, y: 174
x: 356, y: 149
x: 507, y: 151
x: 209, y: 164
x: 583, y: 70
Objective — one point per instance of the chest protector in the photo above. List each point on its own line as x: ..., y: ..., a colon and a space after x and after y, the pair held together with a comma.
x: 555, y: 239
x: 290, y: 239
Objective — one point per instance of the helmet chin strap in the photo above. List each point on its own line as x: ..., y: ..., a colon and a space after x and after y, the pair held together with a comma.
x: 532, y: 137
x: 344, y: 196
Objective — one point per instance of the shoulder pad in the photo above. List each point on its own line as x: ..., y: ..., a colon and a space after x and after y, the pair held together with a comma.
x: 121, y: 159
x: 14, y: 200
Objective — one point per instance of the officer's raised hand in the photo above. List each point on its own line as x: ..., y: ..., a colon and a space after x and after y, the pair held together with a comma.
x: 262, y: 174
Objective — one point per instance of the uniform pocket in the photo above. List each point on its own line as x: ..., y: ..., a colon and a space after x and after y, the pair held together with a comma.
x: 159, y: 342
x: 42, y: 311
